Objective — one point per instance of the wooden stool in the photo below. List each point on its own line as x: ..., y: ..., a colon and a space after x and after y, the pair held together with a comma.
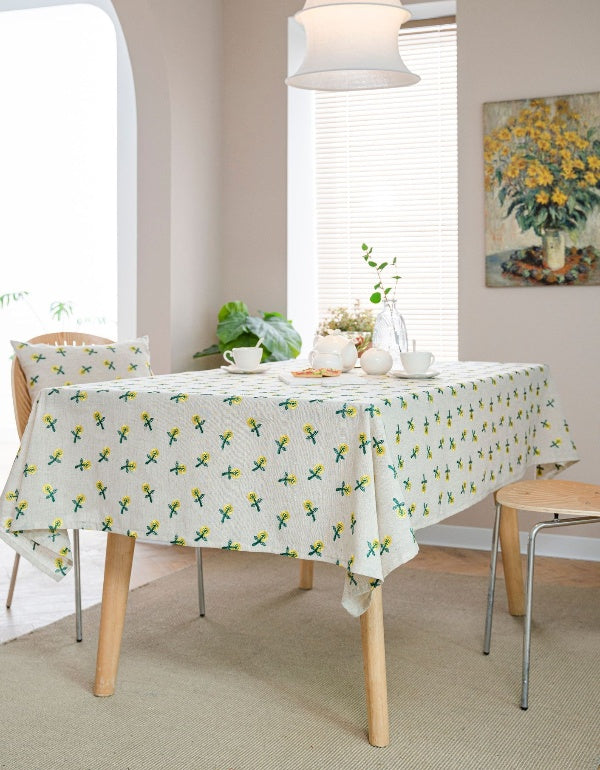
x: 561, y: 498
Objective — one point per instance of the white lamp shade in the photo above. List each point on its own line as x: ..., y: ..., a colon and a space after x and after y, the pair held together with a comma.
x: 352, y: 45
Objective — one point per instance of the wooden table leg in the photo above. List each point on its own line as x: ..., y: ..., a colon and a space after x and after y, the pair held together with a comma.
x: 511, y: 560
x: 306, y: 574
x: 117, y: 571
x: 371, y: 630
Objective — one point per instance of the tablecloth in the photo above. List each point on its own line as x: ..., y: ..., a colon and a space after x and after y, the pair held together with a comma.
x: 342, y: 470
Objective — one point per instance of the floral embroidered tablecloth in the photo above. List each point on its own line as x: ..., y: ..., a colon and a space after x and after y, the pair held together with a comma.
x: 341, y: 470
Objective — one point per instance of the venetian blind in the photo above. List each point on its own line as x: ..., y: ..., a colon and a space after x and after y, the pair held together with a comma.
x: 386, y: 175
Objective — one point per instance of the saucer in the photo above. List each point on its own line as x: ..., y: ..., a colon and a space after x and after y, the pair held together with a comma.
x: 429, y: 375
x: 233, y: 369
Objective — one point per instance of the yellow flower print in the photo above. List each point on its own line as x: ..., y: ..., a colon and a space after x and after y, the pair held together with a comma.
x: 260, y: 538
x: 132, y: 533
x: 49, y: 491
x: 316, y: 548
x: 152, y: 528
x: 202, y: 534
x: 283, y: 518
x: 21, y: 507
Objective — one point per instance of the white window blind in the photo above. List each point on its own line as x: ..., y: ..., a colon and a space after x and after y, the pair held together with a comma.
x: 386, y: 175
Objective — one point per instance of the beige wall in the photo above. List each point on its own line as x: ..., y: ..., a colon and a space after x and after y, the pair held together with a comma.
x: 255, y: 144
x: 514, y: 50
x: 176, y: 55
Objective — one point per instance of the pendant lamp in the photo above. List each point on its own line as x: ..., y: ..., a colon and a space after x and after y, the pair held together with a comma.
x: 352, y: 45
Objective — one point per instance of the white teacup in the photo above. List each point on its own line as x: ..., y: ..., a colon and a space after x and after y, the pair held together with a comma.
x: 247, y: 359
x: 417, y: 361
x: 330, y: 360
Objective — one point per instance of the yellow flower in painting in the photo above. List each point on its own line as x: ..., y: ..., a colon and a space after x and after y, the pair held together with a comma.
x: 559, y: 197
x: 542, y: 197
x: 594, y: 162
x: 590, y: 178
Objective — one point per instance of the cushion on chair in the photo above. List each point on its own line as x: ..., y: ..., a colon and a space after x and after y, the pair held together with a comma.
x: 47, y: 366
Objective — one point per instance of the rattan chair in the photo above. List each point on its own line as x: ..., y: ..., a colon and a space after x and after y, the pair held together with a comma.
x: 22, y: 406
x: 578, y: 503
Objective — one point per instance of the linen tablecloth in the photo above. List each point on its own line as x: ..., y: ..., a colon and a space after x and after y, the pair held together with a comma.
x: 341, y: 470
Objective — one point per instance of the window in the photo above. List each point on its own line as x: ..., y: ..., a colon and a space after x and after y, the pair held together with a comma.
x: 385, y: 174
x: 68, y: 108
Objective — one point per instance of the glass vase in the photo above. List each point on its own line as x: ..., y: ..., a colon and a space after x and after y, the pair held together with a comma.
x: 390, y: 332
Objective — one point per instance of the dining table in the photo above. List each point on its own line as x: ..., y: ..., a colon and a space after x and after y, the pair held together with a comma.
x: 344, y: 470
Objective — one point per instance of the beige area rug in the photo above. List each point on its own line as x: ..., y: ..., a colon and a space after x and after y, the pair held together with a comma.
x: 272, y: 678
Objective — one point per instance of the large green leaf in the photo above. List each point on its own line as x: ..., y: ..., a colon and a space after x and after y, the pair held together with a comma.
x: 280, y: 340
x: 211, y: 350
x: 231, y: 308
x: 232, y: 326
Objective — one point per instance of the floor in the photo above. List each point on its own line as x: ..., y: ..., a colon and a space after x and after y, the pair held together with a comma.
x: 38, y: 600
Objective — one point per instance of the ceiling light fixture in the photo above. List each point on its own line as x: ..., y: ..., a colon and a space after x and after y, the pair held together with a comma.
x: 352, y: 45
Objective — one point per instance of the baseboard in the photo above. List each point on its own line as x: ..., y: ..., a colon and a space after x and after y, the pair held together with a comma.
x: 480, y: 538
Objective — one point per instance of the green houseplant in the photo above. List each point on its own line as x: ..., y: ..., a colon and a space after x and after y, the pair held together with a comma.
x: 237, y: 328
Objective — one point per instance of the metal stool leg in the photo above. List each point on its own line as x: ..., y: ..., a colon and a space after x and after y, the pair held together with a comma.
x: 527, y: 619
x: 13, y: 580
x: 200, y: 581
x: 490, y: 601
x: 77, y: 576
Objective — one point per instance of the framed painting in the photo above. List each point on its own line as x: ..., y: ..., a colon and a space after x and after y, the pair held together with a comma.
x: 542, y: 191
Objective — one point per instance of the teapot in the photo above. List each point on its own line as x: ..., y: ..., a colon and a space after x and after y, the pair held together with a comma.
x: 337, y: 343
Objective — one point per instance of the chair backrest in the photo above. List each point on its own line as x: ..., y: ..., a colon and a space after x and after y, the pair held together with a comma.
x: 20, y: 391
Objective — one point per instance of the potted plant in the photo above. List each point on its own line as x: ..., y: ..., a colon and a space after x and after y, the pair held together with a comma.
x: 356, y: 324
x: 236, y: 328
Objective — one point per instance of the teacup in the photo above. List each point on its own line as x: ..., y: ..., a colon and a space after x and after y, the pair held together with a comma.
x: 417, y: 361
x: 247, y: 359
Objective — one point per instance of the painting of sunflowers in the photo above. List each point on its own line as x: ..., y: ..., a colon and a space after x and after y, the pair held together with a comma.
x: 542, y: 191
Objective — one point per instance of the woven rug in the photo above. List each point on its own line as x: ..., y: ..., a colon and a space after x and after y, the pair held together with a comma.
x: 272, y: 678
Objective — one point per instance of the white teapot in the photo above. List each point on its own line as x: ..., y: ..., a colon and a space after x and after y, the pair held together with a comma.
x: 337, y: 343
